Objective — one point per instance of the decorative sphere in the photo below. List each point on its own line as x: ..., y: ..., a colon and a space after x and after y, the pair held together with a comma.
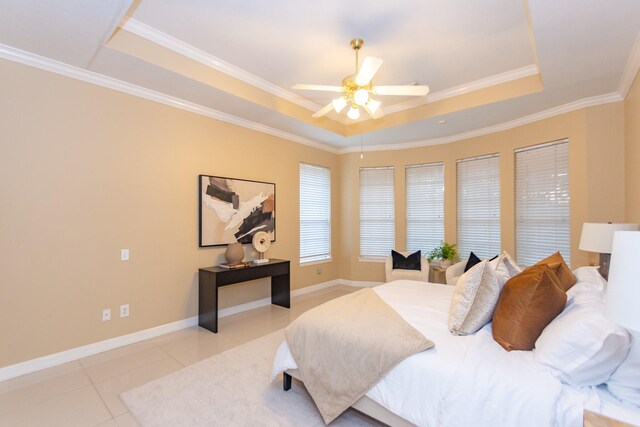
x: 234, y: 253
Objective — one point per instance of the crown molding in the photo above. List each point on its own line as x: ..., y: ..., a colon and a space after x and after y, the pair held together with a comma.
x: 178, y: 46
x: 47, y: 64
x: 37, y: 61
x: 145, y: 31
x: 552, y: 112
x: 497, y: 79
x: 631, y: 69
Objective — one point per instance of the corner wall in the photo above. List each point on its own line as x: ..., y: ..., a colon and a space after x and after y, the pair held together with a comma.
x: 86, y: 171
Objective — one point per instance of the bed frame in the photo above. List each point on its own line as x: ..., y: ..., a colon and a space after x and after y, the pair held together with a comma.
x: 364, y: 404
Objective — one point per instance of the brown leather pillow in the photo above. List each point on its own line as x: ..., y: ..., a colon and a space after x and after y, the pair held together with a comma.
x: 528, y: 303
x: 556, y: 262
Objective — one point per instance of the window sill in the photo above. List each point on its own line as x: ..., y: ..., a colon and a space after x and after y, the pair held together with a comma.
x: 322, y: 261
x: 372, y: 259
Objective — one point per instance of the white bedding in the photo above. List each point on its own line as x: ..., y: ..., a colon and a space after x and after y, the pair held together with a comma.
x: 465, y: 380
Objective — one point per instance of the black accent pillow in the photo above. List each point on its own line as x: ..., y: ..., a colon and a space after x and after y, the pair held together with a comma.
x: 473, y: 260
x: 411, y: 262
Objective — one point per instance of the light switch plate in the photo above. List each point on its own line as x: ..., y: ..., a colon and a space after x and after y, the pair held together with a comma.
x: 124, y: 254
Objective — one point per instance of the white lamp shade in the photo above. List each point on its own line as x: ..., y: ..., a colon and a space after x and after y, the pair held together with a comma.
x: 361, y: 97
x: 598, y: 237
x: 354, y: 113
x: 623, y: 289
x: 373, y: 105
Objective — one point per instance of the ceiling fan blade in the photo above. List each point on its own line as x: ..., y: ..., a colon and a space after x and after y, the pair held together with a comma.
x: 368, y: 69
x: 326, y: 88
x: 324, y: 110
x: 402, y: 90
x: 374, y: 115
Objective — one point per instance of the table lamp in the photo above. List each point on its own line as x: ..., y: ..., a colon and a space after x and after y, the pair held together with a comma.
x: 621, y: 306
x: 598, y: 237
x: 623, y: 290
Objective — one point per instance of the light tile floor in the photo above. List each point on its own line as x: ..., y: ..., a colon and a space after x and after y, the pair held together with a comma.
x: 85, y: 392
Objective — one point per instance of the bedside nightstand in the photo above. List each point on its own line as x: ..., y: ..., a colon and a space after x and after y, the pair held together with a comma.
x: 591, y: 419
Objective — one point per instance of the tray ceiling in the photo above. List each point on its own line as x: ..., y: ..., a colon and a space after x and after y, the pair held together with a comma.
x: 488, y: 63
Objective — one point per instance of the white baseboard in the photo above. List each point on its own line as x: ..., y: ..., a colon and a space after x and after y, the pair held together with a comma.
x: 70, y: 355
x: 55, y: 359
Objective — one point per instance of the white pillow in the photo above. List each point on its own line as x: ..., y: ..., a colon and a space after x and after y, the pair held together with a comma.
x: 591, y: 275
x: 506, y: 267
x: 584, y: 293
x: 581, y: 347
x: 474, y: 299
x: 494, y: 262
x: 625, y: 381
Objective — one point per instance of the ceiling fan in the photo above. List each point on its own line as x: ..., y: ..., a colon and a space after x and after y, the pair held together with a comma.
x: 357, y: 89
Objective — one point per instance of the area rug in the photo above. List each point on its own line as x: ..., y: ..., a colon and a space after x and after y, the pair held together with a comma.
x: 233, y: 388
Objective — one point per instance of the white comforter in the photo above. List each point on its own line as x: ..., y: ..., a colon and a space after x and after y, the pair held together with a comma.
x: 464, y: 380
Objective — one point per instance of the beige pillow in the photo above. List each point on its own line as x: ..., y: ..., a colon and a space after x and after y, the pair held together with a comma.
x: 474, y: 299
x: 506, y: 268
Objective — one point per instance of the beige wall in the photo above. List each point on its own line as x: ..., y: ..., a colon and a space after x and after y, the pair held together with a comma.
x: 596, y: 179
x: 86, y: 171
x: 632, y: 141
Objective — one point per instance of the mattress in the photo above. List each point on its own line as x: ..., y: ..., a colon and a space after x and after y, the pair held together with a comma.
x: 471, y: 380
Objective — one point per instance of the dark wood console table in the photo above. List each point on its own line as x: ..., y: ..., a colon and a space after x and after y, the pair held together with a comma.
x: 211, y: 278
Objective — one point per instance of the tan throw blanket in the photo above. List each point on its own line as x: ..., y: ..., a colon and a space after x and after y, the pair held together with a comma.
x: 345, y: 346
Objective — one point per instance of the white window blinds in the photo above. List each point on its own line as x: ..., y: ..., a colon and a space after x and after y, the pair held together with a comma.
x: 478, y: 202
x: 542, y: 202
x: 377, y: 212
x: 425, y: 206
x: 315, y: 213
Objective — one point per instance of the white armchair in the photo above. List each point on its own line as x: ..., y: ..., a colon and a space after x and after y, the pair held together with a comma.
x: 421, y: 275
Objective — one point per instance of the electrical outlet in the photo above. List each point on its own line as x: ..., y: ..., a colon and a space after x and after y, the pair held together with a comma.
x: 106, y: 314
x: 124, y: 254
x: 318, y: 270
x: 124, y: 310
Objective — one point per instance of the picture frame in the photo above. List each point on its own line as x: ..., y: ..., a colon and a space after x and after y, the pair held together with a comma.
x: 233, y: 210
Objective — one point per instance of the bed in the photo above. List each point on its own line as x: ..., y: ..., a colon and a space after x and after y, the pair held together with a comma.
x: 466, y: 380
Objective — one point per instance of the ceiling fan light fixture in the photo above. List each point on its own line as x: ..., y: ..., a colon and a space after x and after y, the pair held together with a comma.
x: 356, y: 89
x: 354, y: 113
x: 361, y: 96
x: 339, y: 104
x: 373, y: 105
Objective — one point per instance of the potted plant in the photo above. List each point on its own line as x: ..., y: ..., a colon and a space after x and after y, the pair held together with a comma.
x: 446, y: 253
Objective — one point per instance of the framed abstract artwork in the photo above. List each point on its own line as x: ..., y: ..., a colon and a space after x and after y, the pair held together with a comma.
x: 233, y: 210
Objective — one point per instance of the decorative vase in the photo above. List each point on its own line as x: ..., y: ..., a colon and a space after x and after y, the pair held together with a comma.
x: 445, y: 263
x: 234, y: 253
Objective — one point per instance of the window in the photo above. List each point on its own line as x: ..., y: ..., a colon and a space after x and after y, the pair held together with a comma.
x: 315, y: 213
x: 479, y: 206
x: 425, y: 206
x: 542, y: 202
x: 377, y: 212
